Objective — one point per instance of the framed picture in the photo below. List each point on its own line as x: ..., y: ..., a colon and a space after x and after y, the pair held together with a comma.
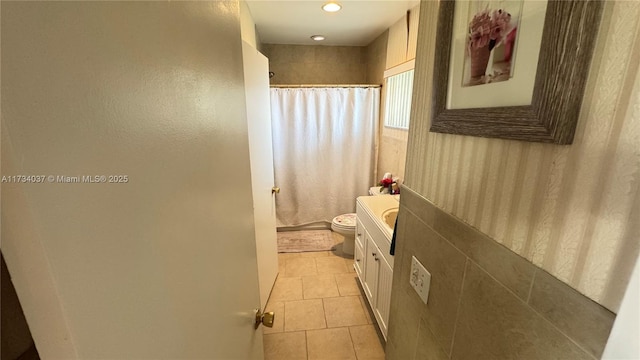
x: 513, y: 69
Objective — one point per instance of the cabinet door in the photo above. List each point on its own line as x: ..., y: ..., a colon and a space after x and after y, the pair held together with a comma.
x: 358, y: 260
x: 383, y: 298
x: 359, y: 233
x: 370, y: 269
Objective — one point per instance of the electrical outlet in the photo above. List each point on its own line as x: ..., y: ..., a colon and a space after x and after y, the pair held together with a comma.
x: 420, y: 279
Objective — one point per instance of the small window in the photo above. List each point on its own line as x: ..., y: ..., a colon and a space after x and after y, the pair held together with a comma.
x: 399, y: 89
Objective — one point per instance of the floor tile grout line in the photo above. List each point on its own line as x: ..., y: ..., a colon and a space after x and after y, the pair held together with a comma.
x: 360, y: 297
x: 284, y: 310
x: 353, y: 345
x: 306, y: 344
x: 335, y: 282
x: 457, y: 316
x: 324, y: 312
x: 302, y: 286
x: 284, y: 329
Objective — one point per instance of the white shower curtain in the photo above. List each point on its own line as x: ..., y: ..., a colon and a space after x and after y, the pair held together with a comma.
x: 323, y: 150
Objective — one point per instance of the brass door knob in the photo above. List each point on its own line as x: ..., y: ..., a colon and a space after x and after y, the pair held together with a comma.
x: 265, y: 319
x: 275, y: 190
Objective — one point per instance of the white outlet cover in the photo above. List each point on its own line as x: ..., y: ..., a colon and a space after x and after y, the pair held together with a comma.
x: 420, y: 279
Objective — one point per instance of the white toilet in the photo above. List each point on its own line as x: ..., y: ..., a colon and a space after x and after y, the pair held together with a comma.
x: 345, y: 225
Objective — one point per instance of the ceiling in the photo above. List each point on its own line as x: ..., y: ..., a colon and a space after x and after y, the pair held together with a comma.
x: 294, y: 21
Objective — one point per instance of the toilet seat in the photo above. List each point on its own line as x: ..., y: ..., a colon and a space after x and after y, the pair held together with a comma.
x: 344, y: 222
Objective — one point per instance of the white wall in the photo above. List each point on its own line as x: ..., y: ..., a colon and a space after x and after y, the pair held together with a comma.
x: 152, y: 90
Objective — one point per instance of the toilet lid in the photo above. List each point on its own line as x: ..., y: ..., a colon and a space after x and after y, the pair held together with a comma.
x: 345, y: 220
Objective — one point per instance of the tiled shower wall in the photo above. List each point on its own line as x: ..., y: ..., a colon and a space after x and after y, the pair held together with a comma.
x: 571, y: 210
x: 485, y: 301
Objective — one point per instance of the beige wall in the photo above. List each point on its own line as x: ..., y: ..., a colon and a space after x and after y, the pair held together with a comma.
x: 304, y: 64
x: 572, y: 210
x: 247, y: 26
x: 401, y: 47
x: 376, y: 64
x: 397, y: 46
x: 376, y: 54
x: 152, y: 90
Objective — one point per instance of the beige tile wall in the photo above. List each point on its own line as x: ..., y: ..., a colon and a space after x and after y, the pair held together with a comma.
x: 304, y: 64
x: 485, y: 301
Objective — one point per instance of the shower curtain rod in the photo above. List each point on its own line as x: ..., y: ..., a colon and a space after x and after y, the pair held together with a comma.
x: 328, y: 86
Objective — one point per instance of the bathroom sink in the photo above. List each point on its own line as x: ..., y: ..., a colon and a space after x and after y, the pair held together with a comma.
x: 389, y: 217
x: 382, y: 211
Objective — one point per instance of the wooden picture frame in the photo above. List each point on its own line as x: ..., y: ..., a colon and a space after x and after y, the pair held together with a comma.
x: 568, y: 39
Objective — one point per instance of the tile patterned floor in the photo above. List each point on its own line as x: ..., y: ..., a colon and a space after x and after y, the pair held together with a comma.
x: 320, y: 310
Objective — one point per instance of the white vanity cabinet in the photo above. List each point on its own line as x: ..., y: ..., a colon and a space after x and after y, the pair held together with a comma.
x: 370, y: 278
x: 372, y: 261
x: 358, y: 254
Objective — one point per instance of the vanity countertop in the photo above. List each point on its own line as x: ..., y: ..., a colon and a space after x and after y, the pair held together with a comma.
x: 375, y: 206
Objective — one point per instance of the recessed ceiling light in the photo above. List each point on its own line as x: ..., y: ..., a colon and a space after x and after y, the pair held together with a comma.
x: 331, y: 7
x: 317, y: 37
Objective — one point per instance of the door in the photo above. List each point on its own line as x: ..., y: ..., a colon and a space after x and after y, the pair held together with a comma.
x: 256, y: 83
x: 160, y: 264
x: 370, y: 269
x: 383, y: 299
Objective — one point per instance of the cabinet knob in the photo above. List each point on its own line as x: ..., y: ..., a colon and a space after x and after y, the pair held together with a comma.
x: 357, y: 260
x: 373, y: 254
x: 376, y: 259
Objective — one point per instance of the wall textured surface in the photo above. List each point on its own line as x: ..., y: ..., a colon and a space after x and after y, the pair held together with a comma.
x: 485, y: 301
x: 572, y: 210
x: 376, y: 54
x: 304, y: 64
x: 247, y: 26
x: 401, y: 47
x: 376, y: 65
